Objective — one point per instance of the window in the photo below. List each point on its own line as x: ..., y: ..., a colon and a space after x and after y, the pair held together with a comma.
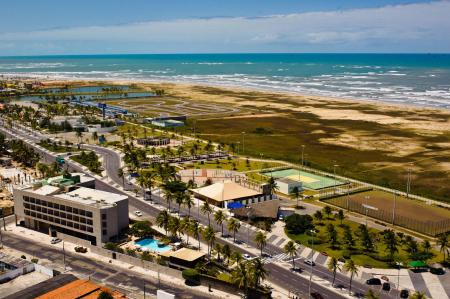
x: 56, y: 206
x: 44, y: 210
x: 56, y: 220
x: 49, y: 211
x: 33, y: 214
x: 82, y: 212
x: 75, y: 211
x: 70, y: 223
x: 38, y: 201
x: 50, y: 218
x: 39, y: 215
x: 69, y: 216
x: 38, y: 208
x: 26, y: 205
x: 104, y: 224
x: 27, y: 212
x: 56, y: 213
x: 63, y: 222
x: 62, y: 215
x: 62, y: 207
x: 82, y: 220
x: 26, y: 199
x: 44, y: 217
x: 103, y: 216
x: 32, y: 200
x: 83, y: 227
x: 50, y: 204
x: 44, y: 203
x: 33, y: 207
x: 69, y: 209
x: 104, y: 232
x: 76, y: 225
x: 89, y: 229
x: 89, y: 214
x: 76, y: 218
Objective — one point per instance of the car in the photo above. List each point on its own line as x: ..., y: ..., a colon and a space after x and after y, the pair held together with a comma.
x: 80, y: 249
x: 404, y: 294
x: 265, y: 254
x: 373, y: 281
x: 437, y: 271
x: 386, y: 286
x: 247, y: 257
x: 55, y: 240
x: 316, y: 295
x: 309, y: 262
x: 138, y: 213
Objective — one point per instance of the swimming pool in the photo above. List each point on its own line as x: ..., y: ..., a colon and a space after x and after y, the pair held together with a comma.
x: 152, y: 245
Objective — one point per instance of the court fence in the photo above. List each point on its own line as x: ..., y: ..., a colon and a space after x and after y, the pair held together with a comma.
x: 431, y: 228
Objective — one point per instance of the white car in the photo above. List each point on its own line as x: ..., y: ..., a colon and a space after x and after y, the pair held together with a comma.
x: 310, y: 262
x: 55, y: 240
x: 247, y: 257
x: 138, y: 213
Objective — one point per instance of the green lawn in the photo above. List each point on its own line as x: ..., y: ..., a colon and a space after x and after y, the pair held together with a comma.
x: 321, y: 244
x: 58, y: 148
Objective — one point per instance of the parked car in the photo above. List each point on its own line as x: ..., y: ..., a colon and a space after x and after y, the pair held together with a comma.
x: 437, y: 271
x: 316, y: 295
x: 55, y: 240
x: 404, y: 294
x: 386, y: 286
x: 80, y: 249
x: 265, y: 254
x: 309, y: 262
x: 138, y: 213
x: 373, y: 281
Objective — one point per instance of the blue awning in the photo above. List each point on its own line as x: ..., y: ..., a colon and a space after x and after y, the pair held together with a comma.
x: 235, y: 205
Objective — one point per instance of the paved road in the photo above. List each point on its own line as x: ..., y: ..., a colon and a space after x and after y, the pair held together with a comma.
x: 278, y: 274
x: 125, y: 280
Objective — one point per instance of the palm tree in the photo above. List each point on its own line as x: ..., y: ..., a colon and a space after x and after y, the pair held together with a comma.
x: 240, y: 277
x: 444, y: 243
x: 261, y: 240
x: 333, y: 266
x: 351, y: 267
x: 174, y: 226
x: 218, y: 249
x: 418, y: 295
x: 257, y: 271
x: 341, y: 216
x: 95, y: 136
x: 121, y: 174
x: 79, y: 135
x: 220, y: 217
x: 195, y: 229
x: 188, y: 202
x: 327, y: 211
x: 226, y: 252
x: 291, y: 249
x: 142, y: 181
x: 236, y: 257
x: 185, y: 225
x: 233, y: 225
x: 273, y: 187
x: 210, y: 236
x: 426, y: 245
x: 162, y: 220
x: 371, y: 295
x: 391, y: 241
x: 207, y: 209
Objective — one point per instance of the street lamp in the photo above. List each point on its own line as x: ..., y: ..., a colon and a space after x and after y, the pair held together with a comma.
x: 399, y: 265
x: 312, y: 231
x: 367, y: 207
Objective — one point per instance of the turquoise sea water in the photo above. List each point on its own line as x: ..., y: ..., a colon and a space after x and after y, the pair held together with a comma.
x: 416, y: 79
x: 152, y: 244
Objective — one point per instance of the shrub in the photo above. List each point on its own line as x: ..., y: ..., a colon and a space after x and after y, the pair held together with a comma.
x: 191, y: 275
x: 298, y: 224
x: 34, y: 260
x: 23, y: 257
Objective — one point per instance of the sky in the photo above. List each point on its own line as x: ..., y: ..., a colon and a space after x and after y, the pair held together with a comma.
x: 49, y: 27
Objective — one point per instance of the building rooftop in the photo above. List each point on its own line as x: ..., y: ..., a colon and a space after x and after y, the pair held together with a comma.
x: 225, y: 191
x: 88, y: 196
x: 43, y: 287
x: 184, y: 254
x: 265, y: 209
x: 13, y: 261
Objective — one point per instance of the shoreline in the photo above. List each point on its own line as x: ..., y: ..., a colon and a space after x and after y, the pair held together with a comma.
x: 381, y: 103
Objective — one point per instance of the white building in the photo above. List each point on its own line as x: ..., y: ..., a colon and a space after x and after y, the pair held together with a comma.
x: 286, y: 185
x: 63, y: 206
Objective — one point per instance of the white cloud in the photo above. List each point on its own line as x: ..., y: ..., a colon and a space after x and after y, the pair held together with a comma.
x: 413, y: 27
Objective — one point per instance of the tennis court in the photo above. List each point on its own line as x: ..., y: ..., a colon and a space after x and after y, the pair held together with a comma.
x: 309, y: 180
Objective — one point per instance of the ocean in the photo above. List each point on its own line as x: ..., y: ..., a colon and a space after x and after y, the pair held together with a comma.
x: 414, y: 79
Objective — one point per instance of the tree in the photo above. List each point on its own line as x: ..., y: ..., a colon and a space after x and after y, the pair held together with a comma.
x: 318, y: 215
x: 174, y: 226
x: 226, y: 252
x: 332, y: 235
x: 426, y: 245
x: 298, y: 224
x: 371, y: 295
x: 105, y: 295
x: 444, y: 244
x: 418, y: 295
x: 261, y: 240
x: 162, y: 220
x: 341, y: 216
x: 333, y: 266
x: 141, y: 229
x: 272, y: 185
x: 327, y: 211
x: 366, y: 238
x: 348, y: 237
x: 121, y: 175
x: 233, y: 226
x: 291, y: 249
x: 95, y: 136
x: 206, y: 209
x: 218, y: 249
x: 240, y: 277
x: 257, y: 271
x: 296, y: 194
x: 195, y: 229
x: 210, y: 236
x: 79, y: 135
x: 220, y: 217
x: 391, y: 242
x: 236, y: 257
x: 351, y: 267
x: 188, y: 201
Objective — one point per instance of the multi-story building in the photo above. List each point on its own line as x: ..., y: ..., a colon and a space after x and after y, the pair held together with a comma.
x: 64, y: 205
